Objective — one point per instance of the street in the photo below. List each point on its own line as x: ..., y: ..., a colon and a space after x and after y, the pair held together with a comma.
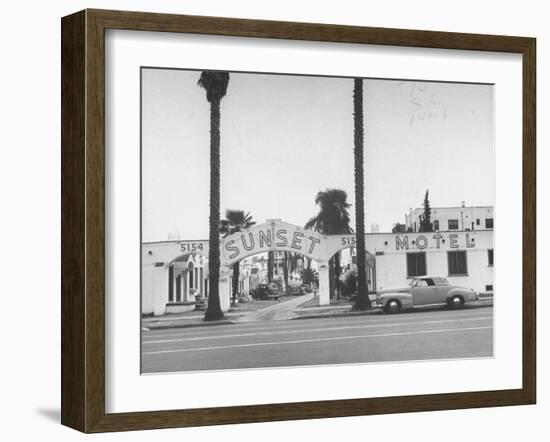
x: 422, y: 334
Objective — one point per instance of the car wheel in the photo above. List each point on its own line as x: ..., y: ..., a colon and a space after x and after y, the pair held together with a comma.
x: 392, y: 306
x: 456, y: 302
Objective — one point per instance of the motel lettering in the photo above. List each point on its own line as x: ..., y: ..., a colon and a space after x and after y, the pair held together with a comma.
x: 434, y: 241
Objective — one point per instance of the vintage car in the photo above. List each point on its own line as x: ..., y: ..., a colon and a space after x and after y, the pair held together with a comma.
x: 295, y: 290
x: 266, y: 291
x: 424, y: 291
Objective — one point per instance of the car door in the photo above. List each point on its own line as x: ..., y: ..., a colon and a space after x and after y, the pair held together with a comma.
x: 425, y: 292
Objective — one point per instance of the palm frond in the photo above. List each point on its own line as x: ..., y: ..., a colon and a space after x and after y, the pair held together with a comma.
x: 235, y: 221
x: 215, y: 83
x: 333, y: 217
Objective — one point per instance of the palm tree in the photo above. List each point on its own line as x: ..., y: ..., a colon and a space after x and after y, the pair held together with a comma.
x: 215, y: 84
x: 293, y: 262
x: 362, y: 302
x: 333, y: 219
x: 286, y: 267
x: 235, y: 221
x: 308, y: 276
x: 270, y: 264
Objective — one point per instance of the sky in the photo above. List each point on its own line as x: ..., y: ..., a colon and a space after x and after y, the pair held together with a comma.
x: 284, y: 138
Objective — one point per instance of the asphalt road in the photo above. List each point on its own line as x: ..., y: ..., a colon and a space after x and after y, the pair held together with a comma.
x: 419, y: 335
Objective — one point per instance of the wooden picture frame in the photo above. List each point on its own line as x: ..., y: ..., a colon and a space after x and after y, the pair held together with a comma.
x: 83, y: 220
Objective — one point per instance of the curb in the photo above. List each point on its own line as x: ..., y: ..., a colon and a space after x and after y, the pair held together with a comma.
x: 338, y: 314
x: 483, y: 304
x: 191, y: 325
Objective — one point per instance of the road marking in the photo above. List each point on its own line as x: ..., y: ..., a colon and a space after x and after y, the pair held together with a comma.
x: 311, y: 330
x: 281, y: 325
x: 303, y: 341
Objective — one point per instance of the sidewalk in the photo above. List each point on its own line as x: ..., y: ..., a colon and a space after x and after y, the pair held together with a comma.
x: 276, y: 312
x: 181, y: 321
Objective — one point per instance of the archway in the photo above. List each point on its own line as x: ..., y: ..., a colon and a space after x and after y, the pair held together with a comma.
x: 348, y: 267
x: 276, y: 235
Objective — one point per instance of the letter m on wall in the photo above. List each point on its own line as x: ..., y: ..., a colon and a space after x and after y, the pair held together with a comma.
x: 401, y: 243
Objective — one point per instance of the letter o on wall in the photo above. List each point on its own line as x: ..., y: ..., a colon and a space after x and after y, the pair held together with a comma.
x: 421, y: 242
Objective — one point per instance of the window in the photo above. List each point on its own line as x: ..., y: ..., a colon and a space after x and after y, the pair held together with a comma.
x: 453, y: 224
x: 457, y: 263
x: 478, y: 222
x: 490, y: 257
x: 489, y: 288
x: 489, y: 223
x: 416, y: 264
x: 436, y: 224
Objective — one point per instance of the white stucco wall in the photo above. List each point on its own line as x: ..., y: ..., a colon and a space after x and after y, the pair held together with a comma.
x: 391, y: 256
x: 147, y: 290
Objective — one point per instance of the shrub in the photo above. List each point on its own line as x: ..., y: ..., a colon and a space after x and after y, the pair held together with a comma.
x: 349, y: 287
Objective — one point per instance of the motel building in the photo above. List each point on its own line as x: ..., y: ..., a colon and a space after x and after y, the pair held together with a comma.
x: 453, y: 218
x: 175, y: 272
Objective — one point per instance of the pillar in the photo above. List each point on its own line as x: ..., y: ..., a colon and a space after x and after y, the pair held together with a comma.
x: 148, y: 289
x: 323, y: 294
x: 225, y: 288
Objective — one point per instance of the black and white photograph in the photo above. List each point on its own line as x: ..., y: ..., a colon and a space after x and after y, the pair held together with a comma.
x: 294, y: 220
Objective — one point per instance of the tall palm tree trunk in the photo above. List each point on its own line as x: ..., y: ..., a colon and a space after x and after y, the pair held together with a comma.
x: 235, y: 281
x: 270, y: 266
x: 362, y: 302
x: 286, y: 259
x: 214, y: 311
